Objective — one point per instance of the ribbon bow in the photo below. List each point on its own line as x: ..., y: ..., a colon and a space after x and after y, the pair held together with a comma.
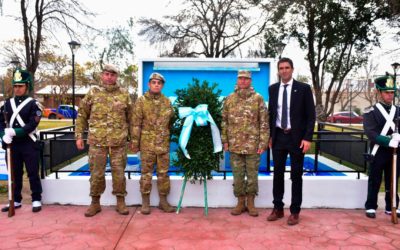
x: 201, y: 116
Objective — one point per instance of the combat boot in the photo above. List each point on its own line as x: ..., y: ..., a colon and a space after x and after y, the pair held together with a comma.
x: 121, y: 207
x: 250, y: 206
x: 164, y: 205
x: 145, y: 204
x: 94, y: 207
x: 240, y: 207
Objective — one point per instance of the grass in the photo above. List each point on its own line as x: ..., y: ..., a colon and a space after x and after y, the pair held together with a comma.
x: 48, y: 124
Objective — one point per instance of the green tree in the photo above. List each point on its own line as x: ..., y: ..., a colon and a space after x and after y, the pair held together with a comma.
x: 114, y: 45
x: 337, y: 36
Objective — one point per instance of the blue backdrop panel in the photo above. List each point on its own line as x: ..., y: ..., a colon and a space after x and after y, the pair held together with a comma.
x: 225, y: 78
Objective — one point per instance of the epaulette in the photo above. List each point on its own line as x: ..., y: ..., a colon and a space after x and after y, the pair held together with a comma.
x: 367, y: 110
x: 40, y: 106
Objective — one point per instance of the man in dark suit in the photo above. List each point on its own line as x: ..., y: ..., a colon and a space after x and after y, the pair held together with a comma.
x: 292, y: 118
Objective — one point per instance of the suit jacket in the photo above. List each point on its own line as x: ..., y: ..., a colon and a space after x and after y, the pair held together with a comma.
x: 302, y: 111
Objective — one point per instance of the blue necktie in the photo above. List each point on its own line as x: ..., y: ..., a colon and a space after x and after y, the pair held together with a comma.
x: 284, y: 108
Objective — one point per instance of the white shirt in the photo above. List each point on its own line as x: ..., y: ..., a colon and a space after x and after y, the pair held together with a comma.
x: 280, y: 97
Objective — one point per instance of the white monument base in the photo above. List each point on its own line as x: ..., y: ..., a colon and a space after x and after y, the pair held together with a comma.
x: 318, y: 191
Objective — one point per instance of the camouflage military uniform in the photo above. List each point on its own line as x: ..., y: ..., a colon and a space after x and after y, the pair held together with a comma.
x: 151, y: 122
x: 245, y: 128
x: 106, y: 111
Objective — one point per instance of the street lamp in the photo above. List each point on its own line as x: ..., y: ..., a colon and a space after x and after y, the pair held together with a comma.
x: 279, y: 47
x: 74, y: 46
x: 351, y: 91
x: 395, y: 67
x: 15, y: 62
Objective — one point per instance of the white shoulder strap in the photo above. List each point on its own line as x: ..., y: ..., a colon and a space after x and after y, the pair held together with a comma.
x: 16, y: 115
x: 389, y: 123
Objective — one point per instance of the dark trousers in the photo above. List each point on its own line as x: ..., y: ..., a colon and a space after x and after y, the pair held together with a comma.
x: 381, y: 164
x: 26, y: 152
x: 282, y: 146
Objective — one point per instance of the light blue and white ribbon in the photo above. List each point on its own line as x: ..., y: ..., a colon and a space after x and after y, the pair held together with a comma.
x: 201, y: 116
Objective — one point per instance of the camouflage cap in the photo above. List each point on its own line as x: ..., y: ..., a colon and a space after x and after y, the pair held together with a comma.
x: 110, y: 68
x: 385, y: 83
x: 244, y: 73
x: 157, y: 76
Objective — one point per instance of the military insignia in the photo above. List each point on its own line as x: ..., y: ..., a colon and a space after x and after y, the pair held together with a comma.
x: 17, y: 76
x: 40, y: 106
x: 389, y: 83
x: 38, y: 113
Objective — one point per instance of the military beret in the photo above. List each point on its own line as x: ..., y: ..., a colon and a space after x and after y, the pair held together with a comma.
x: 244, y: 73
x: 385, y: 83
x: 157, y: 76
x: 110, y: 68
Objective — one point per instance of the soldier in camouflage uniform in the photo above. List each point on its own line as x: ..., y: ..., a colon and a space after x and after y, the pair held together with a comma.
x: 151, y: 123
x: 106, y: 111
x: 245, y: 134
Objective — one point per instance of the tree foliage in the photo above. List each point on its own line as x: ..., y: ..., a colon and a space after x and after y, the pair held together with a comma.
x: 113, y: 45
x: 41, y: 18
x: 213, y: 28
x: 200, y: 146
x: 337, y: 35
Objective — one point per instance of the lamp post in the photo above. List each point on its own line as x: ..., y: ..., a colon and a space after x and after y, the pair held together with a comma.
x: 15, y: 62
x: 395, y: 67
x: 74, y: 46
x: 280, y: 46
x: 351, y: 91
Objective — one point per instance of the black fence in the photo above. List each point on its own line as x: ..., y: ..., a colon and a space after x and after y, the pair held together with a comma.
x: 350, y: 147
x: 344, y: 145
x: 58, y: 147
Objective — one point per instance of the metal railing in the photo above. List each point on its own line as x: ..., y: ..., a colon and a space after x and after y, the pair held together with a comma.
x: 353, y: 142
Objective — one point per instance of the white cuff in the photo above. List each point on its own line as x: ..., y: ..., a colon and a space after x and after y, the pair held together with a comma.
x: 393, y: 143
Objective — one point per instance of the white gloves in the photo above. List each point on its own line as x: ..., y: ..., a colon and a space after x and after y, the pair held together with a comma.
x: 396, y: 136
x: 7, y: 139
x: 393, y: 143
x: 11, y: 132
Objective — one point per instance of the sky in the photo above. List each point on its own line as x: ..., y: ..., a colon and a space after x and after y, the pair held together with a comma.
x: 117, y: 12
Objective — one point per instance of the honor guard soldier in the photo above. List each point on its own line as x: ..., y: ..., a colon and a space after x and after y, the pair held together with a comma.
x: 245, y: 134
x: 379, y: 125
x: 106, y: 112
x: 151, y: 125
x: 19, y: 119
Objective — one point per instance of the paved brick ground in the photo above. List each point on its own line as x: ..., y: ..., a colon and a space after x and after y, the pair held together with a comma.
x: 65, y: 227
